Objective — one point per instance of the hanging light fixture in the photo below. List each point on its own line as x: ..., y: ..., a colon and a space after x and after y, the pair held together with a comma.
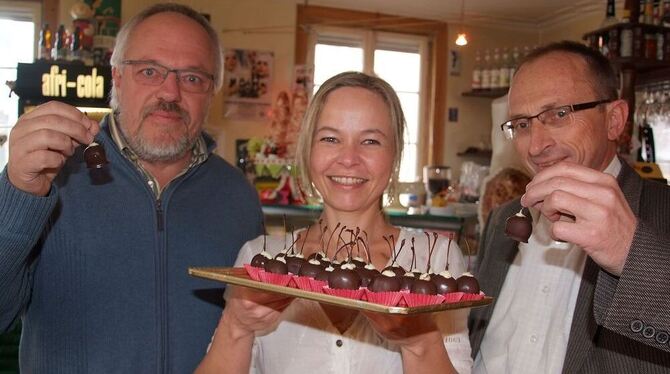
x: 462, y: 38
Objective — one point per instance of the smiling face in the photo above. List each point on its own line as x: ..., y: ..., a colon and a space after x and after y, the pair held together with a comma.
x: 352, y: 150
x: 162, y: 122
x: 553, y: 80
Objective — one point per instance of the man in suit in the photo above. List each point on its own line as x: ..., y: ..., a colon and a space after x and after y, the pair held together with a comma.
x: 589, y: 292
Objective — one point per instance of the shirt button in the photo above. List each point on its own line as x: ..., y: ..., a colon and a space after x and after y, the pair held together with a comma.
x: 339, y: 342
x: 545, y: 289
x: 533, y: 338
x: 662, y: 337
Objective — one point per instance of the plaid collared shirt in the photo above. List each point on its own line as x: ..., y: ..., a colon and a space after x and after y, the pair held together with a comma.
x: 199, y: 156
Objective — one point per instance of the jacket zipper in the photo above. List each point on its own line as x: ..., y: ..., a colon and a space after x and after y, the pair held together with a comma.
x: 159, y: 215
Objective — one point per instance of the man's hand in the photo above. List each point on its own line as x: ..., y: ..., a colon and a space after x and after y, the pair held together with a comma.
x: 603, y: 225
x: 42, y: 140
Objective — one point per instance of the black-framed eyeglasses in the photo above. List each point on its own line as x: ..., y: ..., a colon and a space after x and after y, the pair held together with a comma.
x: 151, y: 73
x: 552, y: 118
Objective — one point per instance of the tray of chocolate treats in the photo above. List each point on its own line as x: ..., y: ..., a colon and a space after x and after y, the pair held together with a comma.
x: 352, y: 283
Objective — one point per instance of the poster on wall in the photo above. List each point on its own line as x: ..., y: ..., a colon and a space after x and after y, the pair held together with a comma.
x: 247, y: 83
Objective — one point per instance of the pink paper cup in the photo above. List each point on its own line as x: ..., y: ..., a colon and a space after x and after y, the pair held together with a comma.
x: 317, y: 285
x: 349, y: 294
x: 414, y: 300
x: 303, y: 283
x: 276, y: 279
x: 253, y: 272
x: 472, y: 296
x: 452, y: 297
x: 384, y: 298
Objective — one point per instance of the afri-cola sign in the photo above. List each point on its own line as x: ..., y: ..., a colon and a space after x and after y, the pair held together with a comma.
x: 73, y: 83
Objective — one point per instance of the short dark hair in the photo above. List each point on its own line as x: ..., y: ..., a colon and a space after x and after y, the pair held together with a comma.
x: 604, y: 80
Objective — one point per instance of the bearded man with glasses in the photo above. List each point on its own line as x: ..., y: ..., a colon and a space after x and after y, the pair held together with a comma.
x: 589, y: 291
x: 94, y: 263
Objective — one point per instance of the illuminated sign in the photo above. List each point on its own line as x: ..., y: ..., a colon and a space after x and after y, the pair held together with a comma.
x: 73, y: 83
x: 86, y: 86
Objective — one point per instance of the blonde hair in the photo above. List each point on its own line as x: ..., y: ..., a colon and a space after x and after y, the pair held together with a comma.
x: 313, y: 112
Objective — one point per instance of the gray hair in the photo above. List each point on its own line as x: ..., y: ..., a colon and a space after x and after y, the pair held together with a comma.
x: 123, y: 36
x: 349, y: 79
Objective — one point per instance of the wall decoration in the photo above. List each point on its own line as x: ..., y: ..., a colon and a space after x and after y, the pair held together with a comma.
x: 247, y: 83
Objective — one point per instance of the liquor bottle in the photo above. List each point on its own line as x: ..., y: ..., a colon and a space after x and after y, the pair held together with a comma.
x: 665, y: 20
x: 476, y: 83
x: 59, y: 51
x: 610, y: 16
x: 643, y: 9
x: 626, y: 45
x: 514, y: 63
x: 75, y: 45
x: 649, y: 11
x: 630, y: 12
x: 486, y: 71
x: 656, y: 15
x: 495, y: 69
x: 504, y: 75
x: 44, y: 52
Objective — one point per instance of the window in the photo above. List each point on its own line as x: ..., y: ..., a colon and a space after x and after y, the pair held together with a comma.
x: 399, y: 59
x: 18, y: 31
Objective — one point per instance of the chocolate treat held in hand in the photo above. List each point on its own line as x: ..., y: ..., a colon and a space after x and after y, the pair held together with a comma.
x: 468, y: 283
x: 95, y: 157
x: 519, y: 227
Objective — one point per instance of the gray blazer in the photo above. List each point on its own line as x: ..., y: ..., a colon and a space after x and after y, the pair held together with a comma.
x: 620, y: 324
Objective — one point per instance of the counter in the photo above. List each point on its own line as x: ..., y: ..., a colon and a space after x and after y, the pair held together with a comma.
x: 302, y: 215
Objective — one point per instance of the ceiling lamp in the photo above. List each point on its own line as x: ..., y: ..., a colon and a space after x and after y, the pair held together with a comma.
x: 462, y: 39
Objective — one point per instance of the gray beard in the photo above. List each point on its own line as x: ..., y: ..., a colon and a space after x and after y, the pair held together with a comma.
x: 147, y: 151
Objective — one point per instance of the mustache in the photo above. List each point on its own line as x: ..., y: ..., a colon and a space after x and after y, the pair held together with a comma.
x: 166, y: 106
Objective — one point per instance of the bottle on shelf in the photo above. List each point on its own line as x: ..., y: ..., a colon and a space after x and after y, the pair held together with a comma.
x: 514, y: 63
x: 476, y: 83
x: 486, y: 71
x: 59, y: 51
x: 656, y: 12
x: 649, y: 11
x: 495, y: 69
x: 610, y: 15
x: 626, y: 43
x: 44, y: 51
x: 76, y: 45
x: 504, y: 74
x: 641, y: 15
x: 630, y: 14
x: 665, y: 19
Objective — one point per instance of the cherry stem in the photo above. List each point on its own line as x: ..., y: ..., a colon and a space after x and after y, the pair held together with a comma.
x: 331, y: 237
x: 448, y: 248
x: 305, y: 241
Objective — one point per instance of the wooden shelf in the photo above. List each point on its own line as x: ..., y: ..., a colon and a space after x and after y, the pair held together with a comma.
x: 491, y: 94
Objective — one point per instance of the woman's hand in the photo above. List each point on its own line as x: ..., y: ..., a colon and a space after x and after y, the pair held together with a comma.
x: 246, y: 312
x: 419, y: 340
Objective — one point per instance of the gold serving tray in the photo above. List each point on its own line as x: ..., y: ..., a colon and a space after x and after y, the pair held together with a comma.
x: 239, y: 276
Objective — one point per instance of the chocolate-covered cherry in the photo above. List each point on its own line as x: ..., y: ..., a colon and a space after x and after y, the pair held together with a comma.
x: 468, y: 283
x: 94, y: 156
x: 387, y: 281
x: 519, y: 227
x: 276, y: 266
x: 344, y: 277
